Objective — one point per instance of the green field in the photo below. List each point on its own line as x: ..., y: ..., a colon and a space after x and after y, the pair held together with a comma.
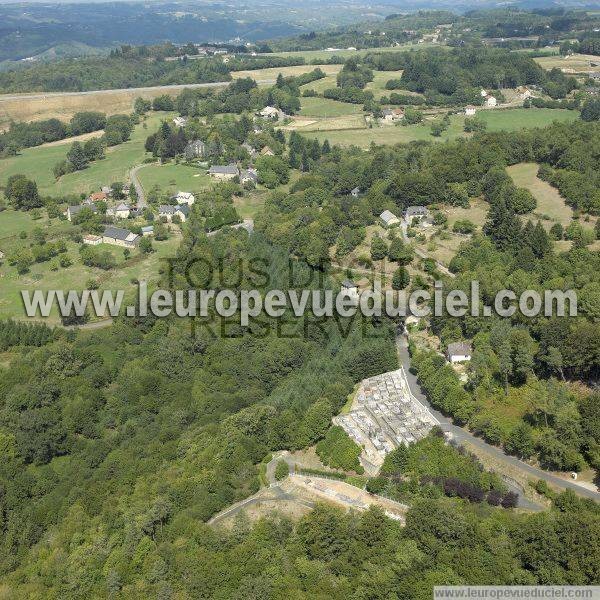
x: 173, y: 178
x: 509, y: 120
x: 37, y: 163
x: 323, y: 107
x: 550, y: 203
x: 75, y: 277
x: 380, y: 78
x: 316, y: 55
x: 320, y: 85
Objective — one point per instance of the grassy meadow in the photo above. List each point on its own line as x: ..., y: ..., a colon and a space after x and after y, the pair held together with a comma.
x: 173, y: 177
x: 37, y: 163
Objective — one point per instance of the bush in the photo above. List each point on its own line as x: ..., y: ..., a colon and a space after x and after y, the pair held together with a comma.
x: 337, y: 450
x: 282, y: 470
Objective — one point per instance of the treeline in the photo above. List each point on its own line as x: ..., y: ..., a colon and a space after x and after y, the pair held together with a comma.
x: 27, y: 135
x: 113, y: 72
x: 15, y: 333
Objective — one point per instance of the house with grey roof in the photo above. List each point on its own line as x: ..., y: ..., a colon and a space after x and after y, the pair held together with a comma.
x: 355, y: 192
x: 168, y: 211
x: 120, y: 237
x: 195, y: 149
x: 73, y: 211
x: 121, y: 211
x: 248, y: 176
x: 416, y: 212
x: 458, y: 352
x: 224, y: 171
x: 389, y: 218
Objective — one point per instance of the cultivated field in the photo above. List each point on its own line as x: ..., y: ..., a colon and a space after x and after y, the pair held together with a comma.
x: 324, y: 108
x: 37, y: 163
x: 271, y: 73
x: 380, y: 78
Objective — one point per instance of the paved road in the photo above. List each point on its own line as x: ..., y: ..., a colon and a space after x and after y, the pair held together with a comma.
x: 462, y: 435
x: 247, y: 224
x: 46, y: 95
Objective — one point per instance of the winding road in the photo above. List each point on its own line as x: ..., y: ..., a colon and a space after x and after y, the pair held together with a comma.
x: 462, y: 435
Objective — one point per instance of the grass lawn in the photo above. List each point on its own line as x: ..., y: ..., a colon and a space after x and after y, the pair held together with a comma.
x: 250, y: 203
x: 513, y: 119
x: 12, y: 222
x: 320, y: 85
x: 75, y: 277
x: 476, y: 213
x: 37, y: 163
x: 173, y: 177
x: 380, y: 78
x: 550, y: 203
x: 323, y: 107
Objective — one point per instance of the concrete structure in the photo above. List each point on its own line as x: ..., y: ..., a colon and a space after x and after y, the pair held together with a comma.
x: 384, y: 415
x: 389, y: 218
x: 92, y: 240
x: 458, y: 352
x: 120, y: 237
x: 224, y: 171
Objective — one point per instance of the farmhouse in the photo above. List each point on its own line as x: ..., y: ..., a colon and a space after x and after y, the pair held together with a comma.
x: 470, y: 111
x: 392, y: 114
x: 148, y: 230
x: 355, y: 192
x: 389, y: 218
x: 195, y: 149
x: 270, y: 112
x: 350, y: 288
x: 120, y: 237
x: 92, y: 240
x: 72, y: 211
x: 224, y: 171
x: 180, y: 121
x: 416, y: 212
x: 491, y: 101
x: 184, y: 198
x: 168, y: 211
x: 122, y: 211
x: 248, y: 176
x: 97, y: 197
x: 458, y: 352
x: 249, y: 149
x: 266, y: 151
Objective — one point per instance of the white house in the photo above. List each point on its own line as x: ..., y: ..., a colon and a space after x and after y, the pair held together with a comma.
x: 148, y: 230
x: 122, y: 211
x: 248, y: 176
x: 180, y: 121
x: 389, y: 218
x: 184, y: 198
x: 169, y: 211
x: 483, y: 93
x: 470, y: 111
x: 458, y: 352
x: 355, y: 192
x: 270, y: 112
x: 491, y: 101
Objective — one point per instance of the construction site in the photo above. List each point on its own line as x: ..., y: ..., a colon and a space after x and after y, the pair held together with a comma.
x: 384, y: 414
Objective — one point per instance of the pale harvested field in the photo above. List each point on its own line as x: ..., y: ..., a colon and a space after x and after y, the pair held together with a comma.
x: 576, y: 63
x: 550, y: 203
x: 331, y: 124
x: 63, y: 107
x: 476, y: 213
x: 76, y: 138
x: 272, y: 72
